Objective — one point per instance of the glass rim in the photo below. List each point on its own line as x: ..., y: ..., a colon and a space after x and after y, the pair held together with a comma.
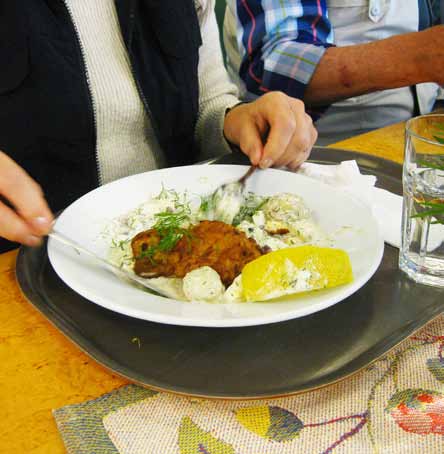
x: 410, y: 132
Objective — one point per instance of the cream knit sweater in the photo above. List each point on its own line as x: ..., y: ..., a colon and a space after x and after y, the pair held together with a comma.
x: 126, y: 143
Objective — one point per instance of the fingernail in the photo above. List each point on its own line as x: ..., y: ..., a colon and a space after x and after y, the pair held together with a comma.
x: 32, y: 240
x: 265, y: 163
x: 257, y: 157
x: 41, y: 220
x: 41, y: 223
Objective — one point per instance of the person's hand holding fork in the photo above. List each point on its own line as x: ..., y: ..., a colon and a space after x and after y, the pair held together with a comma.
x: 24, y: 214
x: 278, y: 120
x: 281, y: 121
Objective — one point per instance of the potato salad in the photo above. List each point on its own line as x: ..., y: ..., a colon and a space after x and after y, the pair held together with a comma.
x: 188, y: 248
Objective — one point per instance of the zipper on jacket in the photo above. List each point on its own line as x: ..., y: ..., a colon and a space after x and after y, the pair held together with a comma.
x: 88, y: 83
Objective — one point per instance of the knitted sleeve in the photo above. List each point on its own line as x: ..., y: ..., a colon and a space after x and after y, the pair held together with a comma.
x: 216, y: 92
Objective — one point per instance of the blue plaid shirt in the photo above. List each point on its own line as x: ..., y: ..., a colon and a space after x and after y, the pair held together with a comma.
x: 296, y: 34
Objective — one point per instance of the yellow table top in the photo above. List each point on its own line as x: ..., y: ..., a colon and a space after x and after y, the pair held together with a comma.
x: 42, y: 370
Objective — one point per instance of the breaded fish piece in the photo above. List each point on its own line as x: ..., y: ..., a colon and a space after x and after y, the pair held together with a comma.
x: 209, y: 243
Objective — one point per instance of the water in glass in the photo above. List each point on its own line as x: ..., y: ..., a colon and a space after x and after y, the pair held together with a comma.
x: 422, y: 247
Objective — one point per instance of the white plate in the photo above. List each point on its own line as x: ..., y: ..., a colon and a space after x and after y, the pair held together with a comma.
x: 349, y: 221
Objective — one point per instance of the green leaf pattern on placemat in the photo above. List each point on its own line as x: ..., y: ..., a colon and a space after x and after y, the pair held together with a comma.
x: 397, y: 417
x: 81, y: 424
x: 436, y: 367
x: 194, y: 440
x: 270, y: 422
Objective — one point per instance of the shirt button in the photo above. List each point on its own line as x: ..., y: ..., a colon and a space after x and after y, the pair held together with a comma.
x: 375, y: 11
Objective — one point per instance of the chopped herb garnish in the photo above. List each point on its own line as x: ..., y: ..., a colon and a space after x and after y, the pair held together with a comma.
x: 434, y: 208
x: 252, y: 204
x: 205, y: 204
x: 171, y: 226
x: 439, y: 133
x: 119, y: 244
x: 166, y: 194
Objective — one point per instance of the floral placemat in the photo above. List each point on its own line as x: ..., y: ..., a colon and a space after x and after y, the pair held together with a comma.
x: 396, y: 405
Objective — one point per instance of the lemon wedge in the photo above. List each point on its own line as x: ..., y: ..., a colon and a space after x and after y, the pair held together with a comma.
x: 295, y: 270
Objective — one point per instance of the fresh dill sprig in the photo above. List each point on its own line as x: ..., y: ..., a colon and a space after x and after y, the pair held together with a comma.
x: 119, y: 244
x: 434, y: 207
x: 205, y: 204
x: 252, y: 204
x: 439, y: 135
x: 171, y: 226
x: 165, y: 194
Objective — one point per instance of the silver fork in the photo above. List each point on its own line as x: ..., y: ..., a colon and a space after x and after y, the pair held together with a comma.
x: 63, y: 239
x: 228, y: 197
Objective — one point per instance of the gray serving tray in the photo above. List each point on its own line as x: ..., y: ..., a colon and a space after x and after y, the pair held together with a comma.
x: 251, y: 362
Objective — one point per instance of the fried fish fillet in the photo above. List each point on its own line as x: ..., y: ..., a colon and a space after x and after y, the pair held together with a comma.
x: 209, y: 243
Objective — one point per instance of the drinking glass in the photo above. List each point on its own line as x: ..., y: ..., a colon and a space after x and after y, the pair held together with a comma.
x: 421, y: 255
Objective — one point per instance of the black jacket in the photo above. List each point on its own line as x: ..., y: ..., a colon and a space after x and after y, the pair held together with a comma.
x: 47, y: 122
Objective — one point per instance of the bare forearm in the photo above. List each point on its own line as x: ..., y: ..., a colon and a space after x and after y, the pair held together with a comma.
x: 390, y: 63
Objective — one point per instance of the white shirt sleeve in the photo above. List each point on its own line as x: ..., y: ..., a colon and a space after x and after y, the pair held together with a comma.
x: 216, y: 92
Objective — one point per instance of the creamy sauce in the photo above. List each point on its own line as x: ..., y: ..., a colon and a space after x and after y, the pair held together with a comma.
x: 228, y: 206
x: 234, y: 293
x: 295, y: 281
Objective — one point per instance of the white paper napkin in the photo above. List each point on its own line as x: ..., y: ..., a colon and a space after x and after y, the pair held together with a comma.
x: 386, y: 206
